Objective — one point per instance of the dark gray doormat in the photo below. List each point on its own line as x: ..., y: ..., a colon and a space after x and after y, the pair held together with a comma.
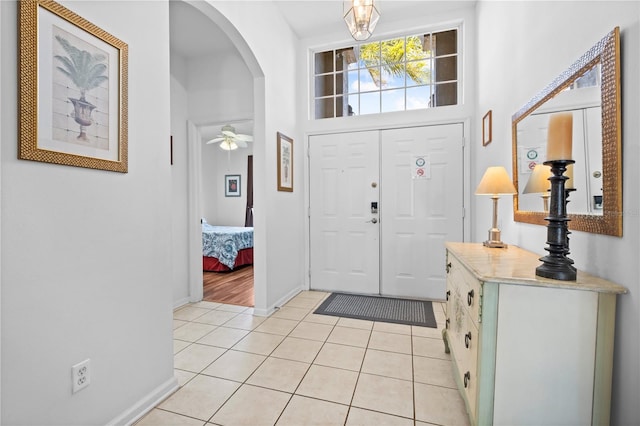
x: 375, y: 308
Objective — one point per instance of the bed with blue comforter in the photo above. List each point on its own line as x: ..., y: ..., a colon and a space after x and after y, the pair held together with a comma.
x: 226, y: 247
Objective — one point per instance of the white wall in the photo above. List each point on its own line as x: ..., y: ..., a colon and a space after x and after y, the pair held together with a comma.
x: 86, y: 253
x: 220, y: 88
x: 522, y: 47
x: 216, y: 207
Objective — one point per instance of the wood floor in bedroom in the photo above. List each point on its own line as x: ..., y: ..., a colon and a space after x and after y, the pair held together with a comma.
x: 233, y: 287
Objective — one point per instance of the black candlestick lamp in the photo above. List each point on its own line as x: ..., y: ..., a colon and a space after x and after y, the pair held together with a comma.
x: 556, y: 264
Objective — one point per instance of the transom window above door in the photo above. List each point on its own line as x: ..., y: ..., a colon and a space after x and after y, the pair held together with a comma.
x: 400, y: 74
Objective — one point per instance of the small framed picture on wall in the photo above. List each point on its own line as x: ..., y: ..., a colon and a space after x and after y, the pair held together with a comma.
x: 486, y: 129
x: 285, y: 163
x: 232, y: 185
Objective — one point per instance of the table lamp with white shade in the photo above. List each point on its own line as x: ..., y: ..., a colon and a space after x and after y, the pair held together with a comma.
x: 495, y: 182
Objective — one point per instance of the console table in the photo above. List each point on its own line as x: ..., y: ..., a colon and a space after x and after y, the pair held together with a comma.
x: 527, y: 349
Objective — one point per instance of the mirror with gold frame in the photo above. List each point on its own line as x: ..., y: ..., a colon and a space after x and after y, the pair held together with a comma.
x: 590, y: 89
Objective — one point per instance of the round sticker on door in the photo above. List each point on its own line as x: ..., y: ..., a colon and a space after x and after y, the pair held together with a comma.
x: 532, y: 154
x: 420, y: 162
x: 420, y: 172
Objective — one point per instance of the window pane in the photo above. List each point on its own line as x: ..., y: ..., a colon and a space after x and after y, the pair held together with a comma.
x: 418, y: 97
x: 353, y: 104
x: 353, y: 86
x: 369, y: 55
x: 447, y: 68
x: 392, y: 51
x: 446, y: 42
x: 324, y: 108
x: 339, y: 107
x: 324, y: 85
x: 393, y: 77
x: 369, y: 79
x: 447, y: 94
x: 324, y: 62
x: 370, y: 103
x: 340, y: 84
x: 416, y: 49
x: 419, y: 72
x: 393, y: 100
x: 405, y: 73
x: 345, y: 57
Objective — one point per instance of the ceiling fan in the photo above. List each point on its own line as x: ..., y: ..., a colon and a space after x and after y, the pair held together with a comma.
x: 230, y: 140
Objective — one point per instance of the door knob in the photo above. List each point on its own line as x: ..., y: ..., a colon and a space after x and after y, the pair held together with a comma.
x: 374, y: 220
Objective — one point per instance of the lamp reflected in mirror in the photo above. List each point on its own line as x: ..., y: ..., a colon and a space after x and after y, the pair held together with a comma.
x: 539, y: 183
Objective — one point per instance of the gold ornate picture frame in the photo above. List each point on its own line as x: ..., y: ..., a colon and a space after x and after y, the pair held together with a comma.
x: 73, y: 90
x: 285, y: 163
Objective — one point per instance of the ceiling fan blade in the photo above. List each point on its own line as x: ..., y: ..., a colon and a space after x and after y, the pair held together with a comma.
x: 229, y: 133
x: 215, y: 140
x: 241, y: 143
x: 244, y: 138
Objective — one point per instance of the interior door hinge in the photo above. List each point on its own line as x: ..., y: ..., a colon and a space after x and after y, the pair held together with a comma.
x: 463, y: 142
x: 309, y: 211
x: 464, y: 212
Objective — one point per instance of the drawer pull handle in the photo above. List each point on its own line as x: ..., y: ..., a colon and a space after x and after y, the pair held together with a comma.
x: 446, y: 323
x: 470, y: 297
x: 448, y: 267
x: 467, y: 340
x: 448, y: 294
x: 467, y: 379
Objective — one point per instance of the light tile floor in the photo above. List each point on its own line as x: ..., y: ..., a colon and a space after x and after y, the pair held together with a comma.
x: 299, y: 368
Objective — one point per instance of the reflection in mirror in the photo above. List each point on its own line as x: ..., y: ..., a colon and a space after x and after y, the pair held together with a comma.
x: 589, y: 91
x: 583, y: 102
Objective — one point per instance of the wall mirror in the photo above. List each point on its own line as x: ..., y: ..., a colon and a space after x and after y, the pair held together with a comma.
x: 590, y: 90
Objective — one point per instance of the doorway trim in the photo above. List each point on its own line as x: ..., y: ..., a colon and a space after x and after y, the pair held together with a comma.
x: 194, y: 209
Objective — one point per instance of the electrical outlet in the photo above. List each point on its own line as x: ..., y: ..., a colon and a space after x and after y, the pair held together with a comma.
x: 81, y: 375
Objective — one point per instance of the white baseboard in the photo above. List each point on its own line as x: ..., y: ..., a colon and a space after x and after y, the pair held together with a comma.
x: 271, y: 309
x: 180, y: 302
x: 146, y: 404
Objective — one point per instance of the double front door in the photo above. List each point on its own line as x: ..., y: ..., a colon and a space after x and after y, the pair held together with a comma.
x: 382, y: 204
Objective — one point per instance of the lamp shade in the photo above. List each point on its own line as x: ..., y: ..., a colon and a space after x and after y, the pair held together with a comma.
x: 539, y: 180
x: 495, y: 181
x: 361, y: 17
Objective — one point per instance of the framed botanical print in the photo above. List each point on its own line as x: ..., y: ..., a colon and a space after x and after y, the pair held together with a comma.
x: 285, y: 163
x: 73, y: 90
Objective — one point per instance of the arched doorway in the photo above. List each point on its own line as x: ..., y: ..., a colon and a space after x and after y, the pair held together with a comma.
x: 194, y: 169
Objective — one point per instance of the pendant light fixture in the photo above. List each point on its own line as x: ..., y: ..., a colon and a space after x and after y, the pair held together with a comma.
x: 361, y: 17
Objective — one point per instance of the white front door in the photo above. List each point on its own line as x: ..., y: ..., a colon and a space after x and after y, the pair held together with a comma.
x: 344, y: 234
x: 400, y: 250
x: 421, y: 207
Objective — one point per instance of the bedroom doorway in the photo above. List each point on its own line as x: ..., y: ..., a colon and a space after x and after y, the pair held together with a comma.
x: 228, y: 274
x: 382, y: 203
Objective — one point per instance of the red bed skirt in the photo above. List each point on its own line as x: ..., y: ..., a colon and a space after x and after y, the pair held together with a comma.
x: 211, y: 264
